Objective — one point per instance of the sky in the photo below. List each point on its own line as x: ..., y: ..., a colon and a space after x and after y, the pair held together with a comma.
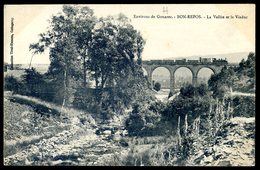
x: 165, y: 38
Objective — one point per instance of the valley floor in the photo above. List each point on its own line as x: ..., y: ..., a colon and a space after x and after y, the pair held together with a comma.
x: 31, y: 137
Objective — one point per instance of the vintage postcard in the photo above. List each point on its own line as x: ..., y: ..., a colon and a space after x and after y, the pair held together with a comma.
x: 129, y: 85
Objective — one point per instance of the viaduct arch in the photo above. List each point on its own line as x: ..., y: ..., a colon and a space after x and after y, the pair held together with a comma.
x: 172, y: 66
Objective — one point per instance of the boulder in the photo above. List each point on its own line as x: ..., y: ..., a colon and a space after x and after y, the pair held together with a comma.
x: 55, y: 163
x: 224, y: 163
x: 107, y: 132
x: 229, y: 142
x: 208, y: 151
x: 208, y: 159
x: 218, y: 155
x: 124, y: 133
x: 116, y: 137
x: 198, y: 159
x: 227, y: 151
x: 75, y: 120
x: 123, y: 143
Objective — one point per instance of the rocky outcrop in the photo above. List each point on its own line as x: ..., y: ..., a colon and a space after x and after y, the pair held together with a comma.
x: 234, y: 145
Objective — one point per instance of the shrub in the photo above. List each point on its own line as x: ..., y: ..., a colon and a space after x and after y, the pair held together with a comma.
x: 188, y: 91
x: 33, y: 82
x: 244, y: 106
x: 143, y: 120
x: 5, y: 66
x: 156, y: 106
x: 135, y: 122
x: 157, y: 86
x: 13, y: 84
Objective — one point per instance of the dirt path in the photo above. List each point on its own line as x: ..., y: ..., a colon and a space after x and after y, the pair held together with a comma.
x: 236, y: 93
x: 31, y: 138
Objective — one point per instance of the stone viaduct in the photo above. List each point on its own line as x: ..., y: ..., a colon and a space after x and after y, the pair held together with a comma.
x: 151, y: 65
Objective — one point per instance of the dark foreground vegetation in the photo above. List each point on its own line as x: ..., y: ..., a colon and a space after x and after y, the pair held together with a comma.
x: 117, y: 118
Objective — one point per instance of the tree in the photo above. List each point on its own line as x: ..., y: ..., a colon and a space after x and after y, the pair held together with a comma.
x: 222, y: 82
x: 13, y: 84
x: 85, y: 24
x: 246, y: 71
x: 144, y: 118
x: 242, y: 78
x: 202, y: 89
x: 39, y: 49
x: 157, y: 86
x: 188, y: 91
x: 5, y: 66
x: 244, y: 106
x: 64, y: 38
x: 105, y: 49
x: 33, y: 82
x: 190, y: 104
x: 247, y: 64
x: 115, y: 54
x: 115, y: 47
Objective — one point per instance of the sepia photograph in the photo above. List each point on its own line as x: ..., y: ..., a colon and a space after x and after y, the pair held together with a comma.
x: 129, y: 85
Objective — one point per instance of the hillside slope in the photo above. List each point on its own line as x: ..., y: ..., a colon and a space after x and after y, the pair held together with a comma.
x: 39, y: 133
x: 234, y: 145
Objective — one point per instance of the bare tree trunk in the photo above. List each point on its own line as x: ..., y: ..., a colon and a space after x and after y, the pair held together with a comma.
x: 217, y: 111
x: 231, y: 111
x: 84, y: 73
x: 230, y: 104
x: 210, y: 107
x: 209, y: 120
x: 178, y: 131
x: 135, y: 161
x: 141, y: 162
x: 12, y: 63
x: 222, y: 116
x: 228, y: 111
x: 217, y: 108
x: 216, y: 118
x: 31, y: 61
x: 65, y: 89
x: 196, y: 126
x: 186, y: 124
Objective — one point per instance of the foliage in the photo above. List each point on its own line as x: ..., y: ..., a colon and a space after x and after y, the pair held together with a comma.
x: 245, y: 81
x: 63, y: 38
x: 157, y: 86
x: 241, y: 78
x: 143, y: 120
x: 193, y: 101
x: 244, y: 106
x: 13, y: 84
x: 34, y: 82
x: 113, y: 48
x: 222, y: 82
x: 84, y: 99
x: 247, y: 67
x: 156, y: 106
x: 5, y: 66
x: 114, y: 53
x: 186, y: 149
x: 107, y: 50
x: 191, y: 91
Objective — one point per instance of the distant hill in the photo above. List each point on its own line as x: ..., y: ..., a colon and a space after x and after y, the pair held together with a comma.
x: 42, y: 68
